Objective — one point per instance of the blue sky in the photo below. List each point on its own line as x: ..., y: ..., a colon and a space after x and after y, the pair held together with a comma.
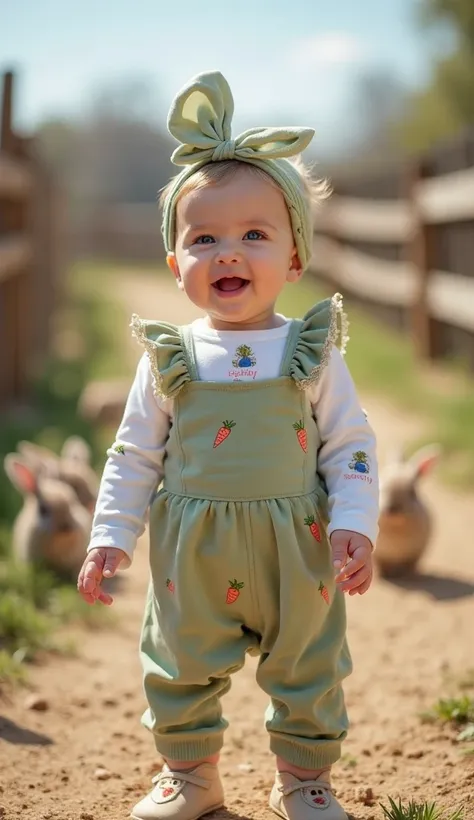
x: 296, y: 58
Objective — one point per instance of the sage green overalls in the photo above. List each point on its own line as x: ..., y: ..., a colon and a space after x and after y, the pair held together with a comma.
x: 240, y: 560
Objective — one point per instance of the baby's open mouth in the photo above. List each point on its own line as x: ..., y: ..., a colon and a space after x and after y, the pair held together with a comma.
x: 230, y: 284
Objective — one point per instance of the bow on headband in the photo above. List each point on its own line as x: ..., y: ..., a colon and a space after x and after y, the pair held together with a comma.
x: 200, y: 119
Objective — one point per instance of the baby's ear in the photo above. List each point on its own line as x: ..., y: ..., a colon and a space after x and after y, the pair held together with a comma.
x: 296, y: 269
x: 172, y: 263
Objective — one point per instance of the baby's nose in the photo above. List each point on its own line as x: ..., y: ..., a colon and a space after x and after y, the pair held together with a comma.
x: 228, y: 254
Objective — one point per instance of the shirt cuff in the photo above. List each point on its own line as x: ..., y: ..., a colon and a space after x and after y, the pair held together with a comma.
x: 116, y: 538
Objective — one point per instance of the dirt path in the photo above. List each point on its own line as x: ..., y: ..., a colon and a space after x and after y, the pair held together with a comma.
x: 407, y: 644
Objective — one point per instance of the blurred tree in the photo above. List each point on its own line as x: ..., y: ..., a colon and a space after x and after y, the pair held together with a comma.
x: 457, y: 13
x: 122, y: 160
x: 446, y: 106
x: 115, y: 154
x: 381, y: 98
x: 128, y: 98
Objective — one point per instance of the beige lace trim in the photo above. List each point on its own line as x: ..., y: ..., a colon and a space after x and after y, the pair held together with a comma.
x: 337, y: 335
x: 139, y: 333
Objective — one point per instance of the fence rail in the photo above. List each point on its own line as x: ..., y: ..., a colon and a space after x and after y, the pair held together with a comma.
x: 408, y: 259
x: 28, y: 256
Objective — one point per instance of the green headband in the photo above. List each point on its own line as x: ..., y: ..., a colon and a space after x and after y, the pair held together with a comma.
x: 200, y: 118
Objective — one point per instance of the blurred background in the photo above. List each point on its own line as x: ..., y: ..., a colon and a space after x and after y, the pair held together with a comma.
x: 389, y: 89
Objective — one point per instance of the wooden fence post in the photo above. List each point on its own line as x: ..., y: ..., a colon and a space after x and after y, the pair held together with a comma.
x: 16, y: 290
x: 421, y: 254
x: 6, y: 133
x: 8, y: 220
x: 43, y: 218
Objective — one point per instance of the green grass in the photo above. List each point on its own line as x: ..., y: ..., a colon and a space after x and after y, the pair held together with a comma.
x: 458, y: 712
x: 12, y: 669
x: 418, y: 811
x: 24, y: 628
x: 102, y: 318
x: 383, y: 362
x: 34, y: 604
x: 453, y: 710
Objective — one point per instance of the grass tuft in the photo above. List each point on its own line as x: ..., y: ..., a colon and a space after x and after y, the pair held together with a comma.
x: 417, y: 811
x: 12, y: 668
x: 454, y: 710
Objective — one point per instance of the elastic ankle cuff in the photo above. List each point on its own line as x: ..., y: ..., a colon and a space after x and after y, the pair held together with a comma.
x: 319, y: 755
x: 189, y: 749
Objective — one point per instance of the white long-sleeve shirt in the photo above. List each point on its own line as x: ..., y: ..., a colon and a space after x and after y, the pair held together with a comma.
x: 128, y: 485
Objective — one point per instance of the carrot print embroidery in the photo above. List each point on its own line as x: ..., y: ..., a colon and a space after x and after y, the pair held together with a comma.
x: 234, y: 591
x: 313, y: 527
x: 301, y: 435
x: 324, y: 592
x: 170, y: 585
x: 223, y: 432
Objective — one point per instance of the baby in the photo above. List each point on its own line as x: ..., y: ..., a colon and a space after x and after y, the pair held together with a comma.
x: 268, y: 505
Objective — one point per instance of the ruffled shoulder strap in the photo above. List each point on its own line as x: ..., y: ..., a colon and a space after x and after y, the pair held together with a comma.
x: 164, y: 347
x: 322, y: 327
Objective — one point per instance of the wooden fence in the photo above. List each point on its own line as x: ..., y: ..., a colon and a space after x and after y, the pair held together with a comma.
x: 402, y: 245
x: 28, y: 256
x: 129, y: 232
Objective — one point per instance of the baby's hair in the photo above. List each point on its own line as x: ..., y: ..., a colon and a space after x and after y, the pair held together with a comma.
x: 314, y: 190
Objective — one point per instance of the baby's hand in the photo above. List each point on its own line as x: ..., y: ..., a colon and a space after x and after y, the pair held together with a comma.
x: 352, y: 558
x: 99, y: 563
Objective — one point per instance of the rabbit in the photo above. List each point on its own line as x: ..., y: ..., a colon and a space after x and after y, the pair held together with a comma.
x: 405, y: 521
x: 72, y: 466
x: 53, y: 527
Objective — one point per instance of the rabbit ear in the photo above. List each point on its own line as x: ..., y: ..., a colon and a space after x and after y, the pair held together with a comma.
x: 424, y: 459
x: 20, y: 474
x: 76, y: 449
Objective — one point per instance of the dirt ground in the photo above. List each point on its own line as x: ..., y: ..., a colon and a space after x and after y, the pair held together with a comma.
x: 411, y: 643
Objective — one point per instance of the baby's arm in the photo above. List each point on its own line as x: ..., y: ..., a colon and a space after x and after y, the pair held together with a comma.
x: 133, y: 470
x: 348, y: 463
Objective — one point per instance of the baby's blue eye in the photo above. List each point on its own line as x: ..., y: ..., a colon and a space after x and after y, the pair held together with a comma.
x: 253, y: 235
x: 206, y: 239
